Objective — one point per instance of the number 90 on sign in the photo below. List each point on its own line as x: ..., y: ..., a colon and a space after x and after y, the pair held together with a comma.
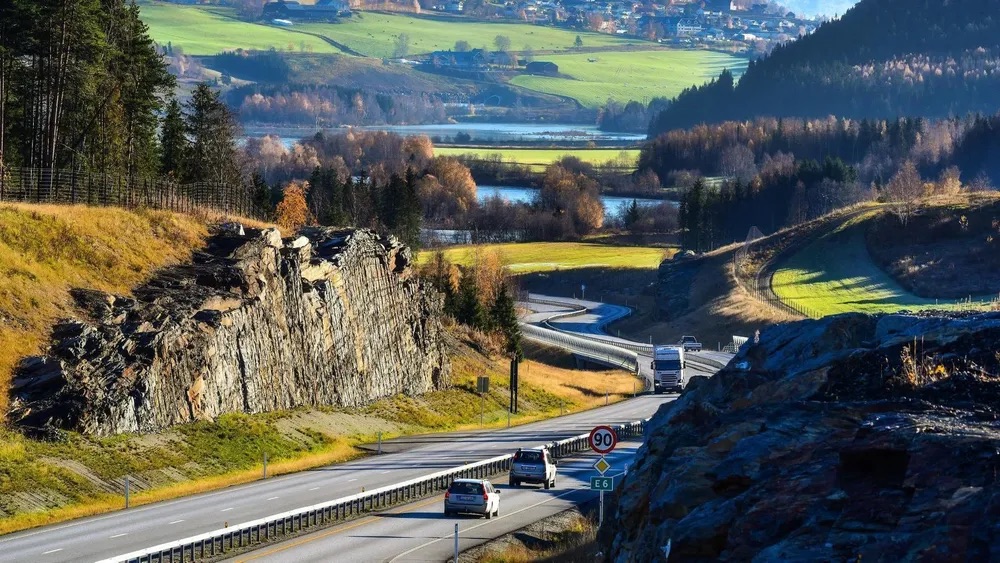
x: 603, y: 439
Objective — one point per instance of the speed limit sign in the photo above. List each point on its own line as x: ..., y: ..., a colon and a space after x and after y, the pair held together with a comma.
x: 603, y: 439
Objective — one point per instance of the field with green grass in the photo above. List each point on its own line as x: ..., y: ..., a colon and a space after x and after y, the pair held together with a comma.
x: 624, y: 76
x: 374, y: 34
x: 531, y: 257
x: 204, y: 31
x: 836, y: 274
x: 538, y: 159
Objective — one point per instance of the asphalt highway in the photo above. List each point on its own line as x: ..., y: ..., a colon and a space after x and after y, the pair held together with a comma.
x: 100, y: 537
x: 105, y: 536
x: 420, y: 531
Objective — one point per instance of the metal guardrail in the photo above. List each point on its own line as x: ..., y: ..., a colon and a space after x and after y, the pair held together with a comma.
x: 734, y: 346
x: 218, y: 542
x: 596, y: 351
x: 638, y: 348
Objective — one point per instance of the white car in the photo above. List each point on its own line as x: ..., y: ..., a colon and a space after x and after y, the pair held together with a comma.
x: 476, y: 496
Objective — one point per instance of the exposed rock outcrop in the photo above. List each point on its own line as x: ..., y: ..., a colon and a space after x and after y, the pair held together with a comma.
x: 855, y: 437
x: 253, y: 324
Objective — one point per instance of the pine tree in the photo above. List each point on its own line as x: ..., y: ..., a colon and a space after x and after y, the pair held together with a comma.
x: 173, y: 141
x: 468, y: 310
x: 212, y: 130
x: 632, y: 214
x: 504, y: 318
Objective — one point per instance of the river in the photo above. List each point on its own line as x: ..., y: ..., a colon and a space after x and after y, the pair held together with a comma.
x: 478, y: 133
x: 525, y: 195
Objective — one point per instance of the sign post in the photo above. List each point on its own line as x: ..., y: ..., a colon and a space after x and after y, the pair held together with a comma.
x: 483, y: 386
x: 602, y: 440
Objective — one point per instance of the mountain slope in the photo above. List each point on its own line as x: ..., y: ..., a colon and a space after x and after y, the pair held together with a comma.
x: 881, y: 59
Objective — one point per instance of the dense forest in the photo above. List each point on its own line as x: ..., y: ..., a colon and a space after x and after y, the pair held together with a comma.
x: 882, y: 59
x: 777, y: 173
x: 83, y: 88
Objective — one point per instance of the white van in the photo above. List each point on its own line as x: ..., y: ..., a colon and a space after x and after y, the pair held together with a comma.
x: 668, y: 368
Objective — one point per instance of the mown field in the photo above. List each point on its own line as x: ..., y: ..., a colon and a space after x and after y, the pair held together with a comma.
x: 530, y: 257
x: 624, y: 76
x: 538, y: 159
x: 836, y: 274
x: 202, y: 31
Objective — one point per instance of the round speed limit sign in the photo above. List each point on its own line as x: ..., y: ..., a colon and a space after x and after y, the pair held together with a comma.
x: 603, y: 439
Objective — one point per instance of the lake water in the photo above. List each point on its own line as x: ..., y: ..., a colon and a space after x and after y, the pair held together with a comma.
x: 525, y: 195
x: 479, y: 132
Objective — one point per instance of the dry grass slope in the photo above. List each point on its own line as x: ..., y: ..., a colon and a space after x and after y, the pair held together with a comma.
x: 47, y: 250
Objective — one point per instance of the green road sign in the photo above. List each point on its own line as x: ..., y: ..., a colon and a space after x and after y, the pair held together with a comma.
x: 602, y: 484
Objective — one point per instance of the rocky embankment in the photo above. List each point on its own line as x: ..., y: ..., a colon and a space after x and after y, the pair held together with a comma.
x: 255, y: 323
x: 851, y: 438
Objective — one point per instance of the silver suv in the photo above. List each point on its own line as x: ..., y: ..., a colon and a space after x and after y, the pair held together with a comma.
x: 534, y: 465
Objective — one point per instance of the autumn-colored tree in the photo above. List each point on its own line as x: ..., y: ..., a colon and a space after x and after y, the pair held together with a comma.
x: 293, y: 212
x: 448, y: 191
x: 418, y: 150
x: 904, y: 191
x: 950, y: 181
x: 489, y: 266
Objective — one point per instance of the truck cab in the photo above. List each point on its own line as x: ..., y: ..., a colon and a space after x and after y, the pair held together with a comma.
x: 668, y: 369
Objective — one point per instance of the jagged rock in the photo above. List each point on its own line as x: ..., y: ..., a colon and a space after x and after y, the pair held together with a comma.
x: 831, y: 446
x: 250, y: 325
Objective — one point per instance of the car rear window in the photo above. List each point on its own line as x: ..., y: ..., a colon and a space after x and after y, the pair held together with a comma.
x: 466, y: 488
x: 528, y: 457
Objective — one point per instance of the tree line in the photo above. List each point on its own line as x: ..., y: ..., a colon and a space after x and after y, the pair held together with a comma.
x: 84, y: 88
x: 880, y: 60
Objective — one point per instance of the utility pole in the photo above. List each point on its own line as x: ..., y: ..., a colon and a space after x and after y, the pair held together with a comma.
x: 127, y: 492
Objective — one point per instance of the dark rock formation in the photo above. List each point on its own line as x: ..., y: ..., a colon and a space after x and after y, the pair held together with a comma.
x: 253, y: 324
x: 860, y: 438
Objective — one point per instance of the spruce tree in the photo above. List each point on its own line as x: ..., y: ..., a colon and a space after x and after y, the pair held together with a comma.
x: 504, y: 319
x: 212, y: 130
x: 173, y: 141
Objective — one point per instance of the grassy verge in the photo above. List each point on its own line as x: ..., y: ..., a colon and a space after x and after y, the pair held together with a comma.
x: 836, y: 274
x: 46, y: 250
x: 538, y: 159
x: 547, y: 256
x: 624, y: 76
x: 201, y: 31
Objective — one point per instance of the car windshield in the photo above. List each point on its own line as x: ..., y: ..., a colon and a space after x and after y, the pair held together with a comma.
x: 667, y: 365
x: 688, y: 339
x: 528, y: 457
x: 461, y: 488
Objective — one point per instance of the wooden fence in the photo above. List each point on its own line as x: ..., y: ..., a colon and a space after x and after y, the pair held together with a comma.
x: 56, y: 186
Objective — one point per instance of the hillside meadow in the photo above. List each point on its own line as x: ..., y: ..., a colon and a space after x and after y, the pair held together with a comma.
x: 203, y: 31
x: 594, y: 78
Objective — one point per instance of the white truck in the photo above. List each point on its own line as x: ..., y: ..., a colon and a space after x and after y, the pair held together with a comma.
x: 668, y: 368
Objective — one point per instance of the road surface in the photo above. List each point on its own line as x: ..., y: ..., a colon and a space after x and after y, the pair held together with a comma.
x: 420, y: 531
x: 90, y: 539
x: 105, y: 536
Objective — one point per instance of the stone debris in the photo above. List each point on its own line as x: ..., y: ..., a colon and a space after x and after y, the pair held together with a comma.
x: 252, y: 324
x: 850, y: 438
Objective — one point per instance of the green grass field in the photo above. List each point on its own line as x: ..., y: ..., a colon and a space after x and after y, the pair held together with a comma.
x: 538, y: 159
x: 625, y: 76
x: 374, y: 34
x: 835, y: 274
x: 201, y: 31
x: 525, y: 258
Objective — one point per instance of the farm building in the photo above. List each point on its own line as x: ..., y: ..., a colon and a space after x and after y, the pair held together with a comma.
x: 543, y: 68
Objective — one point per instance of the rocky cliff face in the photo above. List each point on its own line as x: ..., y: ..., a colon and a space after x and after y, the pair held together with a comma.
x: 254, y: 324
x: 849, y: 438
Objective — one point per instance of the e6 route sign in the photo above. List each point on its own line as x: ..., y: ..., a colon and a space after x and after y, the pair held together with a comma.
x: 603, y: 439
